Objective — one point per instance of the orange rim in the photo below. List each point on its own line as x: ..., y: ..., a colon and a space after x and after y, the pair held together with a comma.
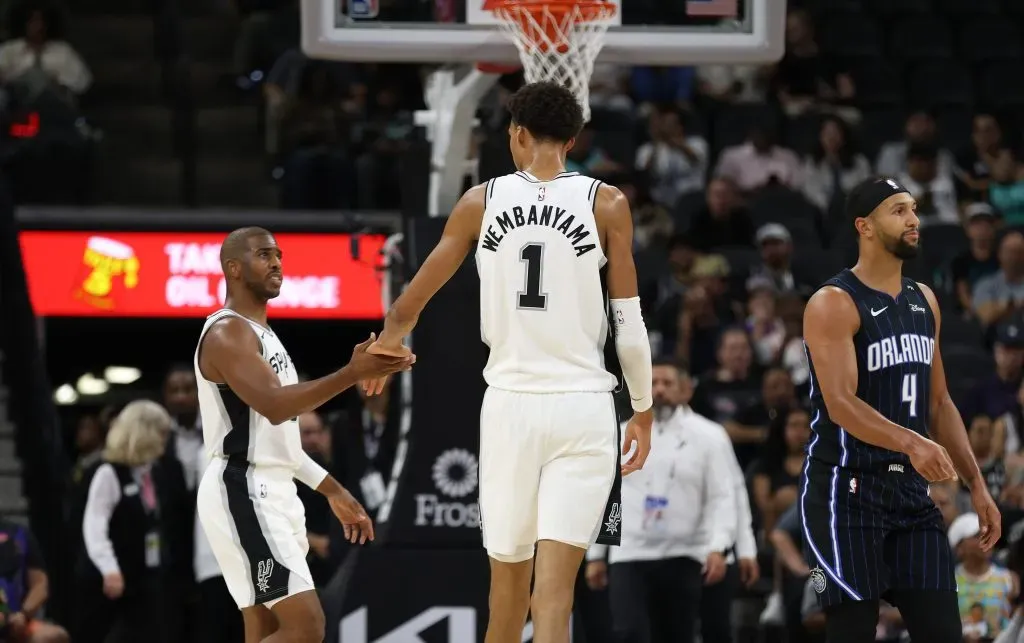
x: 590, y: 9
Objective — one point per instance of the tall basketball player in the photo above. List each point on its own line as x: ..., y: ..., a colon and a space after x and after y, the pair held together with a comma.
x: 249, y: 397
x: 879, y: 396
x: 550, y: 246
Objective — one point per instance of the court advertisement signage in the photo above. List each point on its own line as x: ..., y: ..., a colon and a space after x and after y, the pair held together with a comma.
x: 178, y: 274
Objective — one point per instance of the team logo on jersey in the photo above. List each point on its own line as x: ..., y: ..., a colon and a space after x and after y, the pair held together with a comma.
x: 818, y: 582
x: 541, y: 193
x: 263, y: 573
x: 107, y: 264
x: 614, y: 518
x: 455, y: 475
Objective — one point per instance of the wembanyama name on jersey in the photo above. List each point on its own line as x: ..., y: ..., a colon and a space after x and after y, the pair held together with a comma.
x: 545, y: 215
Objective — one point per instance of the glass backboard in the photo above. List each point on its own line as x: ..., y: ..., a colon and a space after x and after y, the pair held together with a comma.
x: 646, y: 32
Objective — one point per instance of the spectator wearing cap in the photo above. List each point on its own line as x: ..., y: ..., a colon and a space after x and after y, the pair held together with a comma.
x: 705, y: 309
x: 985, y: 591
x: 997, y: 297
x: 979, y: 259
x: 723, y: 221
x: 919, y: 128
x: 997, y: 394
x: 936, y: 194
x: 834, y: 167
x: 759, y: 162
x: 776, y: 248
x: 1006, y: 189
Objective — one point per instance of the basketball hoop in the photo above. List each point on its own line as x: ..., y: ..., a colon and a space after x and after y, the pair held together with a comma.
x: 558, y: 40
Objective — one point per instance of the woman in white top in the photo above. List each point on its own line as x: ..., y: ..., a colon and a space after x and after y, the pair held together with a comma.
x: 121, y: 531
x: 38, y: 47
x: 834, y: 167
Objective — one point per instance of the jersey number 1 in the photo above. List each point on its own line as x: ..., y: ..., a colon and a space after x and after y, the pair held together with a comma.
x: 910, y: 392
x: 532, y: 298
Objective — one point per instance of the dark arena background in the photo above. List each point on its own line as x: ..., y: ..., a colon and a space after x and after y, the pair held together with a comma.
x: 134, y: 136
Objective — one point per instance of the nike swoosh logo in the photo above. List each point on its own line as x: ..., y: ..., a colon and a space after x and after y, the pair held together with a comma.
x: 876, y: 313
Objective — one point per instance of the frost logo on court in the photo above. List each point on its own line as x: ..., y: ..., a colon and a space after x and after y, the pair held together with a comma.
x: 263, y: 573
x: 455, y: 476
x: 817, y: 580
x: 614, y: 518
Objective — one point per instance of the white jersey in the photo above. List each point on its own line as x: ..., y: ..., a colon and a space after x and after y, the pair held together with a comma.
x: 543, y: 306
x: 231, y: 429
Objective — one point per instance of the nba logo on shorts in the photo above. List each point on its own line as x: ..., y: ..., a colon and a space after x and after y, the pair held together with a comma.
x: 363, y: 9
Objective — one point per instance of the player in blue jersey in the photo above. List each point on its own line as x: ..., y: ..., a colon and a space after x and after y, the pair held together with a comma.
x: 884, y: 427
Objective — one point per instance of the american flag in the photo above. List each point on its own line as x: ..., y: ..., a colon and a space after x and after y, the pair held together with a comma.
x: 712, y: 8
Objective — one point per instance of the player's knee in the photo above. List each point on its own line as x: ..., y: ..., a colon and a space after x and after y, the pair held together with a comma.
x: 311, y: 630
x: 551, y: 601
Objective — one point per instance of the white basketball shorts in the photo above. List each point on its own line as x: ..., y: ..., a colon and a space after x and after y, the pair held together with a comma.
x: 547, y: 465
x: 256, y: 526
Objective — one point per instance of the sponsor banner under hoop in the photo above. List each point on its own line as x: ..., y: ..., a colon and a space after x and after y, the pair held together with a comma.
x: 178, y: 274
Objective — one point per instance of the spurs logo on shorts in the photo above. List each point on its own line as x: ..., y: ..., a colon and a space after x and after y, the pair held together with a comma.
x: 614, y: 517
x: 263, y: 573
x: 817, y: 580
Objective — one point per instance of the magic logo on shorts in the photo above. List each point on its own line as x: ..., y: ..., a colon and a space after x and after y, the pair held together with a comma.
x: 455, y: 477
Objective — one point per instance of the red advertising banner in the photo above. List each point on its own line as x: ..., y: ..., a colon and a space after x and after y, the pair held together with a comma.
x: 178, y: 274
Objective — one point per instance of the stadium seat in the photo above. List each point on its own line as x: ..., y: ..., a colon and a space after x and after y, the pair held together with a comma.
x: 781, y: 205
x: 967, y: 362
x: 920, y: 37
x: 686, y: 208
x: 954, y: 127
x: 958, y: 9
x: 938, y: 84
x: 802, y: 133
x: 879, y: 126
x: 821, y: 264
x: 741, y: 258
x: 990, y: 38
x: 943, y: 239
x: 958, y: 330
x: 1001, y: 85
x: 878, y: 82
x: 733, y: 122
x: 890, y: 8
x: 850, y: 35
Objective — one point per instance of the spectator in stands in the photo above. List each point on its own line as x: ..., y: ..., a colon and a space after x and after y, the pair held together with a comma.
x: 1006, y: 187
x: 979, y: 259
x: 759, y: 162
x: 122, y: 530
x: 24, y: 589
x: 1007, y: 440
x: 317, y: 173
x: 974, y: 164
x: 652, y: 224
x: 980, y: 583
x: 919, y: 128
x: 943, y: 494
x: 587, y: 158
x: 793, y: 357
x: 657, y: 85
x: 181, y: 399
x: 790, y: 578
x: 766, y: 330
x: 733, y: 385
x: 997, y: 395
x: 37, y: 60
x: 982, y: 436
x: 316, y: 442
x: 776, y: 247
x: 804, y: 77
x: 733, y: 83
x: 936, y: 195
x: 268, y: 28
x: 609, y: 88
x: 776, y: 474
x: 89, y: 437
x: 383, y: 138
x: 704, y: 312
x: 675, y: 159
x: 999, y: 295
x: 834, y: 167
x: 723, y: 221
x: 749, y: 429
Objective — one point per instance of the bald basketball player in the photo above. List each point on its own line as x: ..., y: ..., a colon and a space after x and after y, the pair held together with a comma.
x: 551, y: 247
x: 249, y: 398
x: 884, y: 427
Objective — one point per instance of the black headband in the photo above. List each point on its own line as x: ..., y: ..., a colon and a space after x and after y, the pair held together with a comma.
x: 868, y: 195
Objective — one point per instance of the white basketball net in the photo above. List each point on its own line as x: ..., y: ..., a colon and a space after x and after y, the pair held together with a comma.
x: 539, y: 34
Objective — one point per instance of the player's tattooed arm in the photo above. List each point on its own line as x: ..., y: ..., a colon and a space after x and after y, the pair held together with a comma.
x: 459, y: 236
x: 230, y: 354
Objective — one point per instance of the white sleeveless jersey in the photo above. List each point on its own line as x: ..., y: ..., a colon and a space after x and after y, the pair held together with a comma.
x: 231, y: 428
x: 543, y: 306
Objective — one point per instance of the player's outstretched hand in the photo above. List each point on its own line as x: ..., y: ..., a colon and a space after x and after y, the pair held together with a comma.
x: 988, y: 516
x: 369, y: 366
x: 931, y: 460
x: 376, y: 386
x: 638, y: 432
x: 353, y: 518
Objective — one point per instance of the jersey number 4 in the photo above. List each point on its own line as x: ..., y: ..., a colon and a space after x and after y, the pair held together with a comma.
x: 531, y: 297
x: 910, y: 392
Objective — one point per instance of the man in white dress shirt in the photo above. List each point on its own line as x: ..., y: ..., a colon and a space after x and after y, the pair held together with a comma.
x: 682, y: 516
